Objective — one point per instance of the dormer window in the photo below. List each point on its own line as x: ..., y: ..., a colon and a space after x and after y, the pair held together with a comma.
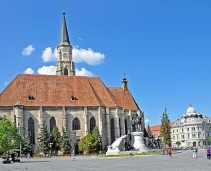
x: 73, y: 97
x: 30, y: 97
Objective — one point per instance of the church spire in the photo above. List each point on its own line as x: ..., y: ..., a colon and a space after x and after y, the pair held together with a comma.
x: 65, y: 64
x: 64, y: 34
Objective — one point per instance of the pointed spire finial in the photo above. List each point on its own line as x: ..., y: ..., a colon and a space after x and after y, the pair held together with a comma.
x: 63, y: 11
x: 124, y: 78
x: 64, y: 34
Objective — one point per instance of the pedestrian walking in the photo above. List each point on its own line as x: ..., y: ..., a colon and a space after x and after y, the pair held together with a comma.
x: 208, y: 153
x: 73, y: 155
x: 131, y: 155
x: 194, y: 152
x: 170, y: 152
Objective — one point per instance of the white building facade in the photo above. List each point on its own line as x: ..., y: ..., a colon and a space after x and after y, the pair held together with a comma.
x: 192, y: 129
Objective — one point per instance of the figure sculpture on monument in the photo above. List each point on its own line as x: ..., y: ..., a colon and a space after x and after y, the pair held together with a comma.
x: 135, y: 122
x: 133, y: 141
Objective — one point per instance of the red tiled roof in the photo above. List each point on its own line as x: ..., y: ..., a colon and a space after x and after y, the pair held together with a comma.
x: 156, y: 129
x: 55, y: 90
x: 124, y: 98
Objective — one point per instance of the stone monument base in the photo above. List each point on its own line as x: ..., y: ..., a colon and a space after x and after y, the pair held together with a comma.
x: 137, y: 144
x: 137, y: 141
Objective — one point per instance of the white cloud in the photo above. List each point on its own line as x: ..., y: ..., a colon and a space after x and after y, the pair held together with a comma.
x: 79, y: 55
x: 147, y: 121
x: 5, y: 83
x: 79, y: 38
x: 47, y: 70
x: 88, y: 56
x: 29, y: 71
x: 83, y: 72
x: 48, y: 55
x: 28, y: 50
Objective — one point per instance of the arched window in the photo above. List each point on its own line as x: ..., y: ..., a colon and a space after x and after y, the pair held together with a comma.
x: 120, y: 129
x: 76, y: 124
x: 31, y: 130
x: 14, y: 118
x: 52, y: 123
x: 65, y: 71
x: 92, y: 123
x: 112, y: 130
x: 126, y: 131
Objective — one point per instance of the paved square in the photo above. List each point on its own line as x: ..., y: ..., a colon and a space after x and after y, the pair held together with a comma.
x: 180, y: 162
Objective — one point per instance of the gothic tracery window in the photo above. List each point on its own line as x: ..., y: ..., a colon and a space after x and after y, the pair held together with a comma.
x: 120, y: 129
x: 76, y: 124
x: 52, y: 123
x: 31, y: 130
x: 126, y: 131
x: 92, y: 123
x: 65, y: 71
x: 112, y: 129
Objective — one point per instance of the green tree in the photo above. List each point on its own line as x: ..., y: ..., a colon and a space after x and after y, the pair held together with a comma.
x: 44, y: 140
x: 89, y: 144
x: 97, y: 137
x: 149, y: 131
x: 65, y: 142
x: 178, y: 143
x: 9, y: 136
x: 56, y: 139
x: 95, y: 133
x: 27, y: 146
x: 165, y: 131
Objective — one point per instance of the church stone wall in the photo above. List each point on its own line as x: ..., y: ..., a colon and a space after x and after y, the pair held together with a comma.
x: 7, y: 112
x: 34, y: 114
x: 72, y: 113
x: 48, y: 113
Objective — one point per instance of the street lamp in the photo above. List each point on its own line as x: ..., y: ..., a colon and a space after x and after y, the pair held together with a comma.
x: 19, y: 127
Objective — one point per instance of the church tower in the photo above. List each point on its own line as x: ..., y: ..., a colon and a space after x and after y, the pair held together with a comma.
x: 65, y: 65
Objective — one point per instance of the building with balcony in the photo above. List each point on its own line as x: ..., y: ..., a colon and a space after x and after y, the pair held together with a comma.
x: 192, y: 129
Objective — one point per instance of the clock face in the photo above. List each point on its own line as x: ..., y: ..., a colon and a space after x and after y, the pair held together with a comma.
x: 65, y: 55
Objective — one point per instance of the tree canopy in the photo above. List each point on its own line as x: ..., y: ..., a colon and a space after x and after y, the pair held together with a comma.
x: 178, y: 143
x: 9, y: 136
x: 65, y: 142
x: 89, y: 144
x: 27, y: 146
x: 149, y: 131
x: 44, y: 140
x: 56, y: 139
x: 165, y: 131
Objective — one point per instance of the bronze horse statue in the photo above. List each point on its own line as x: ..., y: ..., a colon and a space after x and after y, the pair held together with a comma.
x: 135, y: 122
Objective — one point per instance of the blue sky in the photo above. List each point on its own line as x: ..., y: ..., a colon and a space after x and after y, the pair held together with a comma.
x: 163, y: 47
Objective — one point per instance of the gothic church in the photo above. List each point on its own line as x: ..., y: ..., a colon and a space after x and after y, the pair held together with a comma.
x: 77, y: 103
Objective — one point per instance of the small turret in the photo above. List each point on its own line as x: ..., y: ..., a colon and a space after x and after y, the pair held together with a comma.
x: 124, y: 84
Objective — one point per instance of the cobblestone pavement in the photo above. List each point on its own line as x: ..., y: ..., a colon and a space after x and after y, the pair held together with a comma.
x: 179, y: 162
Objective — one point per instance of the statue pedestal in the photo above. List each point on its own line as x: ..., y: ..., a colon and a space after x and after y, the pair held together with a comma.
x: 114, y: 151
x: 137, y: 141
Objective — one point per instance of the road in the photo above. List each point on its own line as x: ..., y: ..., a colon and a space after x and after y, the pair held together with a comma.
x: 179, y: 162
